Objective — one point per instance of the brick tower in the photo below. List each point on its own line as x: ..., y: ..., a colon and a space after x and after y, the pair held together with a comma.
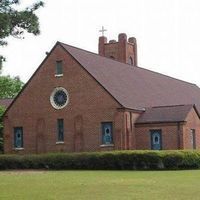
x: 122, y: 50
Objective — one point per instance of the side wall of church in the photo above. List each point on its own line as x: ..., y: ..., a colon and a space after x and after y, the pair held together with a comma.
x: 170, y: 135
x: 89, y: 105
x: 193, y: 123
x: 174, y: 135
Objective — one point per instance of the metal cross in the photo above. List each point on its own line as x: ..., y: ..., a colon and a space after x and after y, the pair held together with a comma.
x: 102, y: 31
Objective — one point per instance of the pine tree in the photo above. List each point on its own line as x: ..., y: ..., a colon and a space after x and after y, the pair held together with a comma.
x: 15, y: 22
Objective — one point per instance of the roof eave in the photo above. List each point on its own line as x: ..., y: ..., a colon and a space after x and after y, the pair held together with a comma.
x: 160, y: 122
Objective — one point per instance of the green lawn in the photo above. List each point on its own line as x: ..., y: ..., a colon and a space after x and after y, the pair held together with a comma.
x: 96, y: 185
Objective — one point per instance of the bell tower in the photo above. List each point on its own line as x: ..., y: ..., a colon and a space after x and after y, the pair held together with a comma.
x: 122, y: 50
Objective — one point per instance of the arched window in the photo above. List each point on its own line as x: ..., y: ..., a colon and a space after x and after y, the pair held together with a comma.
x: 130, y: 61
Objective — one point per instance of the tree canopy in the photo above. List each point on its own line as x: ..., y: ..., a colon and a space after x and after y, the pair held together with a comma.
x: 1, y: 114
x: 10, y: 87
x: 15, y: 22
x: 2, y: 110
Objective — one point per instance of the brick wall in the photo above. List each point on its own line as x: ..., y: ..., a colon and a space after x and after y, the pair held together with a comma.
x: 120, y: 50
x: 174, y: 135
x: 170, y: 137
x: 193, y: 122
x: 89, y: 105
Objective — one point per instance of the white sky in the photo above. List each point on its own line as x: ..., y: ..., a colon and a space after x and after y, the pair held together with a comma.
x: 167, y: 32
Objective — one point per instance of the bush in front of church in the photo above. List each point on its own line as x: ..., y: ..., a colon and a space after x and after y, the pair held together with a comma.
x: 113, y: 160
x: 1, y: 145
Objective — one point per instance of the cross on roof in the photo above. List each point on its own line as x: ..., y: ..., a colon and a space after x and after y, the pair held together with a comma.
x: 102, y: 30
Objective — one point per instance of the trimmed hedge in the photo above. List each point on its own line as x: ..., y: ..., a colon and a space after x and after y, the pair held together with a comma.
x: 112, y: 160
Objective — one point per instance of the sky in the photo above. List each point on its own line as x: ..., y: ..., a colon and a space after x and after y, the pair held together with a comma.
x: 167, y: 33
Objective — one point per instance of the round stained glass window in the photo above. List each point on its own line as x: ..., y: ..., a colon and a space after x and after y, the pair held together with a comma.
x: 59, y: 98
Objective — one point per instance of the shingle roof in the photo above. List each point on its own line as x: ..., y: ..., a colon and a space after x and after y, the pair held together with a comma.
x: 165, y: 114
x: 135, y: 87
x: 5, y: 102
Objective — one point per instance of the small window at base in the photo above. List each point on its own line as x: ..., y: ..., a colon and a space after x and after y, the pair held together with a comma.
x: 193, y: 138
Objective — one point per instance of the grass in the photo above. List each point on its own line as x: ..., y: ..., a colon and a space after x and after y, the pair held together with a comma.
x: 100, y: 185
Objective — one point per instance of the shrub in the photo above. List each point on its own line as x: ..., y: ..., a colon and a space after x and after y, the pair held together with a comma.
x: 173, y: 159
x: 1, y: 145
x: 112, y: 160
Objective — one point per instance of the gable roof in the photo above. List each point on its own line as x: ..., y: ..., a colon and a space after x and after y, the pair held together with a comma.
x: 160, y: 114
x: 5, y: 102
x: 135, y: 87
x: 132, y: 87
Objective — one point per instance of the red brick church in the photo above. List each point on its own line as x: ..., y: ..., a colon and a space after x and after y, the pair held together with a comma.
x: 82, y: 101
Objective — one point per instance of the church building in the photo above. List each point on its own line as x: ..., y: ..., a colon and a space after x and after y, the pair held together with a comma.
x: 79, y: 101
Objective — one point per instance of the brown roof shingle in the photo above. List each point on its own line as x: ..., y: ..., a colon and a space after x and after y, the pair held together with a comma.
x: 135, y: 87
x: 165, y: 114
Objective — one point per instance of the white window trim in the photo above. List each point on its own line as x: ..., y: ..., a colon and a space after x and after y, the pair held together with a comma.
x: 58, y: 75
x: 18, y: 148
x: 52, y: 98
x: 107, y: 145
x: 60, y: 142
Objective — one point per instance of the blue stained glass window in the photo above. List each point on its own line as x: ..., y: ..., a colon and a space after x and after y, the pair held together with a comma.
x: 60, y: 98
x: 60, y: 130
x: 18, y: 137
x: 107, y: 135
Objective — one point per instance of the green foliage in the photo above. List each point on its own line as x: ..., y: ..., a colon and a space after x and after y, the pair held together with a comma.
x: 1, y: 145
x: 113, y: 160
x: 1, y: 114
x: 2, y: 59
x: 10, y: 87
x: 15, y: 22
x: 2, y: 110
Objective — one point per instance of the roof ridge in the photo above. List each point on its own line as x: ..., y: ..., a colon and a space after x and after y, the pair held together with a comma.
x: 127, y: 65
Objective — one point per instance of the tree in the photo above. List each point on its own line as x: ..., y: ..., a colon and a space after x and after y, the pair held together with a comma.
x: 10, y: 87
x: 2, y: 110
x: 15, y: 22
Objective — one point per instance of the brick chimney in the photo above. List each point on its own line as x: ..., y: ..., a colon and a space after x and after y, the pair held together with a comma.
x: 121, y: 50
